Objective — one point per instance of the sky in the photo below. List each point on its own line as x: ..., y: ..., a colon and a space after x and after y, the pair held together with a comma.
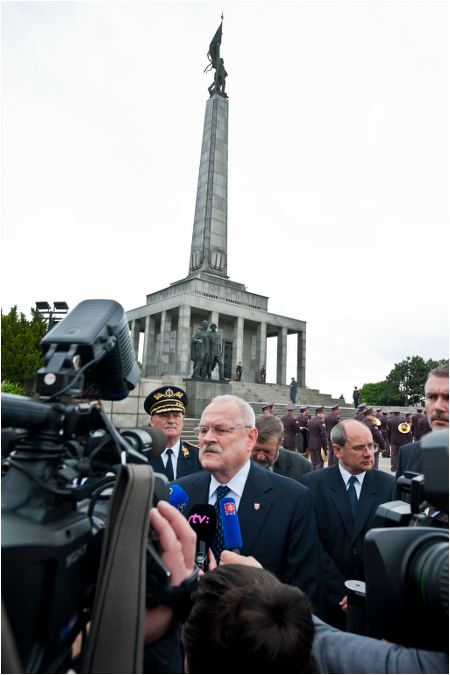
x: 338, y: 183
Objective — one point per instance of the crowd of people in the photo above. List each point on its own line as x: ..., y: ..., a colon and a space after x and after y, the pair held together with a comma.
x: 279, y: 604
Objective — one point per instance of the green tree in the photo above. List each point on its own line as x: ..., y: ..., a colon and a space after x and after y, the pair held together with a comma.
x: 12, y: 388
x: 22, y: 354
x: 406, y: 381
x: 372, y: 392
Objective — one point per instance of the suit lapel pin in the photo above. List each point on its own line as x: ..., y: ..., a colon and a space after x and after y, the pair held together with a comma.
x: 256, y: 506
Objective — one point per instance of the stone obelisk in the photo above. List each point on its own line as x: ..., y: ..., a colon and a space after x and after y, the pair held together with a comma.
x: 209, y: 236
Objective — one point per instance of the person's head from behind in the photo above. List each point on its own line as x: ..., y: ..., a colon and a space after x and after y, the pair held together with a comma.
x: 245, y: 620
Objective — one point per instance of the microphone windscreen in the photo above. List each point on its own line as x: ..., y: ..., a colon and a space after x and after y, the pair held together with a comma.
x: 203, y: 519
x: 159, y: 442
x: 230, y: 523
x: 178, y: 498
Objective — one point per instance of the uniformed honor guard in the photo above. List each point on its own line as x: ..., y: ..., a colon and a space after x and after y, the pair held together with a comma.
x: 384, y: 433
x: 317, y: 438
x: 417, y: 432
x: 263, y: 375
x: 302, y: 420
x: 397, y: 435
x: 360, y: 414
x: 331, y: 420
x: 239, y: 371
x: 369, y: 421
x: 291, y: 428
x: 166, y: 407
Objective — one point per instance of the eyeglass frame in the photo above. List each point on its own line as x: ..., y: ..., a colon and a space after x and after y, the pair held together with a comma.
x: 215, y: 430
x: 375, y: 447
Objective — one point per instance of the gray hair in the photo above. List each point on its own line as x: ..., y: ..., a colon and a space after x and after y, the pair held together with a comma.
x: 246, y: 415
x: 338, y: 434
x: 440, y: 371
x: 269, y: 426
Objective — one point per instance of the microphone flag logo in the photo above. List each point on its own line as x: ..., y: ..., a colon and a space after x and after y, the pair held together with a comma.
x: 230, y: 508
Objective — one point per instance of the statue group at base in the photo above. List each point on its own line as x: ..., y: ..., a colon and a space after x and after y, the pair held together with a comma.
x: 206, y: 352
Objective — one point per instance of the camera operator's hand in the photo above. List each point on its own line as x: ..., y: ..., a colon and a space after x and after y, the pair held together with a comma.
x: 176, y: 546
x: 230, y: 558
x: 343, y: 604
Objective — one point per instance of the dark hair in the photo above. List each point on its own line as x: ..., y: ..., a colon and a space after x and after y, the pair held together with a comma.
x: 245, y: 620
x: 269, y: 426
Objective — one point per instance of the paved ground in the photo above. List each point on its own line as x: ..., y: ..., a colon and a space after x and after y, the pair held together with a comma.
x: 385, y: 465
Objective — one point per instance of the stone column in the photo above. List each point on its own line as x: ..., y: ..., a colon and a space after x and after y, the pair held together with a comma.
x: 214, y: 318
x: 135, y: 334
x: 281, y: 355
x: 238, y: 345
x: 184, y: 341
x: 301, y: 358
x: 261, y: 348
x: 164, y: 344
x: 148, y: 356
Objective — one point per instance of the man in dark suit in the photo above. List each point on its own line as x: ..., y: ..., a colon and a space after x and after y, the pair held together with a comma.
x: 346, y: 497
x: 275, y: 513
x: 268, y: 453
x: 166, y: 406
x: 331, y: 420
x: 291, y: 428
x: 437, y: 409
x: 317, y: 438
x: 293, y: 390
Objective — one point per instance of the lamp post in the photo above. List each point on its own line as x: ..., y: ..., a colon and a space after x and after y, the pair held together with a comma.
x: 54, y: 315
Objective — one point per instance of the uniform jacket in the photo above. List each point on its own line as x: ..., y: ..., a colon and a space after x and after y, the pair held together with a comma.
x: 424, y: 425
x: 376, y: 434
x: 395, y: 436
x: 292, y: 465
x: 383, y: 426
x: 317, y: 436
x: 302, y: 420
x: 277, y: 526
x: 330, y: 421
x: 291, y: 430
x: 188, y: 461
x: 342, y: 536
x: 417, y: 431
x: 359, y: 417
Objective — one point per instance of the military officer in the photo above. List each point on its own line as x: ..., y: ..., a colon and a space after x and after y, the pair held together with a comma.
x: 360, y: 414
x: 331, y: 420
x: 396, y: 438
x: 369, y: 417
x: 291, y: 428
x: 417, y: 433
x: 166, y: 407
x: 239, y: 371
x: 263, y: 375
x: 384, y: 433
x: 302, y: 420
x: 317, y: 438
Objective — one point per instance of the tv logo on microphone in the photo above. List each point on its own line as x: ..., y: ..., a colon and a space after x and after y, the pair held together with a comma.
x: 230, y: 508
x: 196, y: 518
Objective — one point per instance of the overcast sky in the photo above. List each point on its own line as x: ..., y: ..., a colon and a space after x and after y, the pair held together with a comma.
x: 338, y: 204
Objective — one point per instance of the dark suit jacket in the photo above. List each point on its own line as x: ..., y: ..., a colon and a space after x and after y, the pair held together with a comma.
x: 342, y: 536
x: 292, y: 465
x: 277, y: 525
x: 188, y: 461
x: 409, y: 459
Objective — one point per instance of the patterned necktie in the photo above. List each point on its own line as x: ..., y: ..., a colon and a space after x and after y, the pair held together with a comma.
x: 352, y: 494
x: 218, y: 543
x: 169, y: 465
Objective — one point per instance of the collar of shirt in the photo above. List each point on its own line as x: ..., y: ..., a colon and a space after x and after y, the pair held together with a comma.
x: 176, y: 451
x: 346, y: 477
x: 236, y: 485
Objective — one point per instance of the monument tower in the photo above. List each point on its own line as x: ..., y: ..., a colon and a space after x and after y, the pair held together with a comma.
x: 172, y: 315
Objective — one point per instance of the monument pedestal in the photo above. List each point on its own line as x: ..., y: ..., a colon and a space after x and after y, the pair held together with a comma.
x: 201, y: 392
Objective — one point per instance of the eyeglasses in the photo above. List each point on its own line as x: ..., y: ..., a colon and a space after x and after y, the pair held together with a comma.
x: 217, y: 431
x: 373, y: 447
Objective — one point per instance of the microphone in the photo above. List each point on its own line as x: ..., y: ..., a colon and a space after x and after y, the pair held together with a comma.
x: 230, y: 524
x: 178, y: 498
x: 149, y: 441
x: 203, y: 520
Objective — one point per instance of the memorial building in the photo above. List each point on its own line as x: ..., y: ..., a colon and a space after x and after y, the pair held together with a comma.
x: 170, y: 317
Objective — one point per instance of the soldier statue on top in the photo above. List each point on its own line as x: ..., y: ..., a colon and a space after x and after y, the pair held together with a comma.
x: 218, y: 86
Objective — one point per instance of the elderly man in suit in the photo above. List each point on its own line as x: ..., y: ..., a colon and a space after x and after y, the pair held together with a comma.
x: 275, y: 514
x: 166, y: 407
x: 437, y: 409
x: 268, y: 453
x: 346, y: 497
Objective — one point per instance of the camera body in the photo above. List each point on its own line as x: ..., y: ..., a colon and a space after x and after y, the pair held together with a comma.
x: 58, y: 473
